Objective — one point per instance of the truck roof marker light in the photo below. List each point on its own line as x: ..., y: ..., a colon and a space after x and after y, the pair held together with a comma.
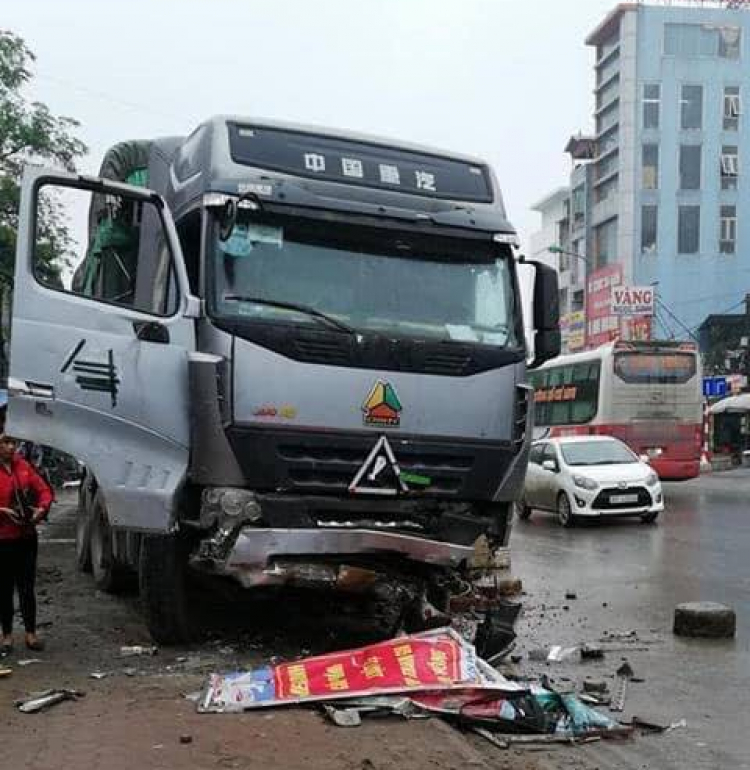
x: 510, y: 238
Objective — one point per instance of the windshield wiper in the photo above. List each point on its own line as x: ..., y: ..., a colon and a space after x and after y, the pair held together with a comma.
x: 306, y: 309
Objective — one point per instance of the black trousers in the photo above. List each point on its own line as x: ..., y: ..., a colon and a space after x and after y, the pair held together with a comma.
x: 18, y: 573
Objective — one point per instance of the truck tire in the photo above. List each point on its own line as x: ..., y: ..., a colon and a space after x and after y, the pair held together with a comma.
x: 164, y: 589
x: 109, y: 576
x: 83, y: 534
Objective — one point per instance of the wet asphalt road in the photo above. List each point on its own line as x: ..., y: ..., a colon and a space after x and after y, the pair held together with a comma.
x: 628, y: 577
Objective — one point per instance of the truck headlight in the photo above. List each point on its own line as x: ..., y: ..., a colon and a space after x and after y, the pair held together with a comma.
x: 585, y: 483
x: 652, y: 479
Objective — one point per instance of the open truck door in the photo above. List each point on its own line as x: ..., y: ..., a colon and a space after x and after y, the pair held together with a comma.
x: 103, y: 325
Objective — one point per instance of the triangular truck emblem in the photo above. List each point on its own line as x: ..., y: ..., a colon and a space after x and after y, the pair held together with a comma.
x: 379, y: 473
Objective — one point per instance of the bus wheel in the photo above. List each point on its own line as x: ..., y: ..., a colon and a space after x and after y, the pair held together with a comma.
x: 564, y: 511
x: 109, y: 576
x: 163, y: 577
x: 650, y: 518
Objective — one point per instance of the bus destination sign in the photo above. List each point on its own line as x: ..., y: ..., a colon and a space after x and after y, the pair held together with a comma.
x: 358, y: 163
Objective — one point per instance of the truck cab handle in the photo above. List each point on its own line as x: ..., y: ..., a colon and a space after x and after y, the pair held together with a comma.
x: 151, y: 331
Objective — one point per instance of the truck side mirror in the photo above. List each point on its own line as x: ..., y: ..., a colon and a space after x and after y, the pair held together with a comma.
x: 546, y: 314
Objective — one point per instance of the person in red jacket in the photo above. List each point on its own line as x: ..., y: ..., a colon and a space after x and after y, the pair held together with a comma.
x: 25, y: 499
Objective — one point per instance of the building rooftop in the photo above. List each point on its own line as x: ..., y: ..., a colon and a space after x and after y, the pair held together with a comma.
x: 610, y: 23
x: 581, y: 147
x: 557, y: 195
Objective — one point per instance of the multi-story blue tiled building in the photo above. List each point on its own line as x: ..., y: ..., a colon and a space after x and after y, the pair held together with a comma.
x: 668, y: 187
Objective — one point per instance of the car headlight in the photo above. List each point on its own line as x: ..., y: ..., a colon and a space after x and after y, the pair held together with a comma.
x: 652, y: 479
x: 585, y: 483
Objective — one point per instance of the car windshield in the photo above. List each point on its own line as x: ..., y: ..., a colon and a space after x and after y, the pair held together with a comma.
x: 597, y: 453
x: 364, y: 278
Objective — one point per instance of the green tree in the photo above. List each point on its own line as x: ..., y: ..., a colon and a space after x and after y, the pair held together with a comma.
x: 29, y: 133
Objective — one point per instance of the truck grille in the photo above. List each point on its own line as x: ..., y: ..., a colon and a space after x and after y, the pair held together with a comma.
x: 326, y: 463
x: 604, y: 502
x: 332, y: 468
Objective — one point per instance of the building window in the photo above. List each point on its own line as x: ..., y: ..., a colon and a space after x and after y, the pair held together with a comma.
x: 651, y: 100
x: 649, y: 216
x: 728, y: 229
x: 563, y: 301
x: 702, y: 40
x: 578, y: 300
x: 688, y: 229
x: 730, y: 167
x: 650, y: 162
x: 579, y: 204
x: 605, y: 243
x: 691, y: 107
x: 731, y: 108
x: 690, y: 167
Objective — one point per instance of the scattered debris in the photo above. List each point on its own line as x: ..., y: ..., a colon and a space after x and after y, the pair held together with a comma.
x: 130, y: 671
x: 591, y: 652
x: 193, y: 696
x: 678, y: 724
x: 516, y: 658
x: 594, y: 686
x: 571, y: 595
x: 5, y: 672
x: 135, y: 650
x: 554, y: 654
x: 434, y: 673
x: 705, y: 619
x: 648, y: 725
x: 29, y: 661
x: 624, y: 673
x: 44, y: 700
x: 98, y: 675
x: 185, y: 739
x: 347, y: 717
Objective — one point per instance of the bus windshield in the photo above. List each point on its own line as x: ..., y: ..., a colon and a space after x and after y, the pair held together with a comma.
x: 364, y: 279
x: 646, y: 368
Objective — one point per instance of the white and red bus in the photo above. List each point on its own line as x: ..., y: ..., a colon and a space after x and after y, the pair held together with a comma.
x: 648, y: 394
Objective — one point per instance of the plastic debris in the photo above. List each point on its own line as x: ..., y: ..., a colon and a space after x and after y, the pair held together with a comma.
x: 595, y: 686
x: 347, y: 717
x: 98, y: 675
x: 29, y: 661
x: 591, y: 652
x: 135, y: 650
x: 624, y: 673
x: 433, y: 673
x: 554, y: 654
x: 5, y: 672
x: 46, y: 699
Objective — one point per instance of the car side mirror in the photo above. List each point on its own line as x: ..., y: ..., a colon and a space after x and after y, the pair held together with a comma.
x: 550, y: 465
x: 546, y: 314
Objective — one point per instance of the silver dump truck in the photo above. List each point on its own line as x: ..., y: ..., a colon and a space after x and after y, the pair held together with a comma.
x: 287, y: 356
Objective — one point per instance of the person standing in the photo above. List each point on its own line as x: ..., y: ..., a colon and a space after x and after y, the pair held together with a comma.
x: 25, y: 499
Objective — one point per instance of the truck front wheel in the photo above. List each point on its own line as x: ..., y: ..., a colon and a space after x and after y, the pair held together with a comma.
x: 164, y: 590
x: 109, y: 575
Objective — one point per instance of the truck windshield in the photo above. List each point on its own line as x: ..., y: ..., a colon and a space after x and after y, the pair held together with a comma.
x: 364, y: 278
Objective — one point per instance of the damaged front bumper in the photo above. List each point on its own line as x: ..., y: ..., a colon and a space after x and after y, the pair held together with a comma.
x: 258, y: 556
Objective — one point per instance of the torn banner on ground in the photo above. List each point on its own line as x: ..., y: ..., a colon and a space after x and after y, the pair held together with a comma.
x: 437, y: 660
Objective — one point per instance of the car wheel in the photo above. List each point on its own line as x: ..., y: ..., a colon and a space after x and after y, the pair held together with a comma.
x: 522, y: 509
x: 565, y: 515
x: 649, y: 518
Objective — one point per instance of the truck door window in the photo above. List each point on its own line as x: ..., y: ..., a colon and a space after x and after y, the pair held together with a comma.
x: 106, y: 247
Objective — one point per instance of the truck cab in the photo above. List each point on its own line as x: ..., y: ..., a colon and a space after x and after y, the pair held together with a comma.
x: 287, y: 356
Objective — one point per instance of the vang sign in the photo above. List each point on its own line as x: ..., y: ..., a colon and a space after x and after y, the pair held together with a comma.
x: 633, y: 300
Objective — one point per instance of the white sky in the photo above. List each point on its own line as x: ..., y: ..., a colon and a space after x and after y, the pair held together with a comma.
x: 508, y: 80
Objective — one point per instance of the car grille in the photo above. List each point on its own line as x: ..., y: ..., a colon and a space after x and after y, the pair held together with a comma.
x: 603, y: 501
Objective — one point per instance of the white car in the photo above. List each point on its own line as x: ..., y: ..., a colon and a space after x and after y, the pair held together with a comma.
x: 585, y: 476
